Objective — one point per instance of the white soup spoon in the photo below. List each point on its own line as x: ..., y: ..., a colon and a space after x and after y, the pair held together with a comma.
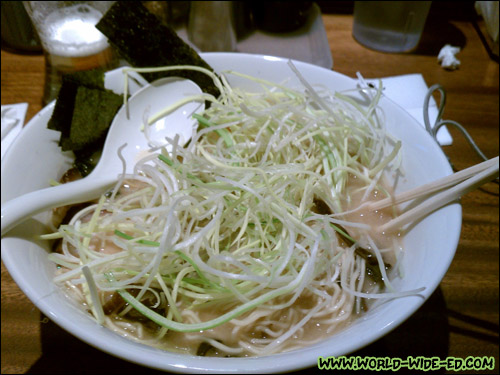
x: 124, y: 129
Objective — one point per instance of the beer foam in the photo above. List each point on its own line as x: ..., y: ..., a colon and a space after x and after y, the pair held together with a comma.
x: 71, y: 32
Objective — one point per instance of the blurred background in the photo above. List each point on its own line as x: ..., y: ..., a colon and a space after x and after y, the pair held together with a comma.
x: 273, y: 18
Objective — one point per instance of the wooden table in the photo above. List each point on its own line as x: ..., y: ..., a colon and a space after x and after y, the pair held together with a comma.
x: 459, y: 320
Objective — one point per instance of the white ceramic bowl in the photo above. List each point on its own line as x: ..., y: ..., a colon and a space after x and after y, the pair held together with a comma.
x: 429, y: 246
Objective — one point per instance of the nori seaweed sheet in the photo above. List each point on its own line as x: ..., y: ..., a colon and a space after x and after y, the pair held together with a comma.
x: 93, y: 113
x: 63, y: 109
x: 65, y: 104
x: 89, y: 78
x: 84, y: 111
x: 144, y: 41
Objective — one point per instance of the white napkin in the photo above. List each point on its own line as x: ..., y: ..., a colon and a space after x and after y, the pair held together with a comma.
x: 409, y: 92
x: 447, y: 57
x: 12, y: 122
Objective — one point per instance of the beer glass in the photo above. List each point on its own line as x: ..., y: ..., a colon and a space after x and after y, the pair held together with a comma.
x: 70, y: 39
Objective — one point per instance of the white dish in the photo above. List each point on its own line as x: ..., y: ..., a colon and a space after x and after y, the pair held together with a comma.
x: 430, y: 245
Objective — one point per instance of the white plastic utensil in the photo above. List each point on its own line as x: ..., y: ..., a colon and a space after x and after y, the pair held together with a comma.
x: 146, y: 103
x: 437, y: 193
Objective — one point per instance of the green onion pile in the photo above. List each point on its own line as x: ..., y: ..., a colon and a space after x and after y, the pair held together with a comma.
x: 220, y: 242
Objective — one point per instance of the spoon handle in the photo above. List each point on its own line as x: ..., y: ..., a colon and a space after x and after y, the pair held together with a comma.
x: 16, y: 210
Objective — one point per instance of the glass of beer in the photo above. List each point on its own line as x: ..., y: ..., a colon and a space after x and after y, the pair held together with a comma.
x: 70, y: 39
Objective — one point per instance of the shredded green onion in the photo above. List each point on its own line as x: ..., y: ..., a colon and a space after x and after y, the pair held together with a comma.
x: 229, y: 223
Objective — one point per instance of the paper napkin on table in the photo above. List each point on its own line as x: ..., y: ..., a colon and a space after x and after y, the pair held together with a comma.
x: 408, y: 91
x: 12, y: 122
